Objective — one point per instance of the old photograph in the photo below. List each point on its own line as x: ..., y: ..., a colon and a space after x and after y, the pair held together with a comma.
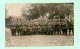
x: 39, y: 24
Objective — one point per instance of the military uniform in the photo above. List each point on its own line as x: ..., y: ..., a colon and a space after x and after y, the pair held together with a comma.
x: 39, y: 29
x: 64, y: 29
x: 24, y: 30
x: 53, y: 27
x: 13, y: 30
x: 43, y: 30
x: 71, y: 29
x: 36, y: 30
x: 27, y: 30
x: 58, y: 29
x: 32, y: 30
x: 18, y: 30
x: 49, y: 29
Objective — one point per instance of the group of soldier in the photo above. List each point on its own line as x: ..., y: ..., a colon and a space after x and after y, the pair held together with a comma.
x: 42, y: 29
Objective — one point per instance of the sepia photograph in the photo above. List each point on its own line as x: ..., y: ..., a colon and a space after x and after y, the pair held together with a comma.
x: 39, y: 24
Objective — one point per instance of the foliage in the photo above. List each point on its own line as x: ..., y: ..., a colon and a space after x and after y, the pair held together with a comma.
x: 56, y: 9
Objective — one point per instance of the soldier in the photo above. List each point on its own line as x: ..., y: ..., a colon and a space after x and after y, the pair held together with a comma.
x: 39, y: 29
x: 46, y: 30
x: 36, y: 29
x: 64, y: 29
x: 31, y: 31
x: 43, y: 29
x: 13, y: 30
x: 71, y: 29
x: 27, y: 30
x: 33, y: 27
x: 53, y: 27
x: 58, y: 29
x: 18, y: 30
x: 24, y: 30
x: 49, y: 29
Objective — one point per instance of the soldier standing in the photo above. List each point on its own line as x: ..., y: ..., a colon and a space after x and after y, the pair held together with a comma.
x: 18, y: 29
x: 27, y: 30
x: 58, y: 28
x: 13, y: 30
x: 49, y: 29
x: 53, y: 27
x: 24, y: 30
x: 39, y: 29
x: 71, y: 29
x: 64, y: 29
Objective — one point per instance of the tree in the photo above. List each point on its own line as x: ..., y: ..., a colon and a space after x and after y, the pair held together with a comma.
x: 54, y: 9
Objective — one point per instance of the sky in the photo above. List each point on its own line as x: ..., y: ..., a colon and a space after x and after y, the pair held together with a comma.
x: 15, y: 10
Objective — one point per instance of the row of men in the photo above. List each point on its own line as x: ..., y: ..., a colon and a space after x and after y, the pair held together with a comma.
x: 43, y: 30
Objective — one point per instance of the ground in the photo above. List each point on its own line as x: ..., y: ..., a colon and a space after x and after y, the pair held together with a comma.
x: 38, y: 40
